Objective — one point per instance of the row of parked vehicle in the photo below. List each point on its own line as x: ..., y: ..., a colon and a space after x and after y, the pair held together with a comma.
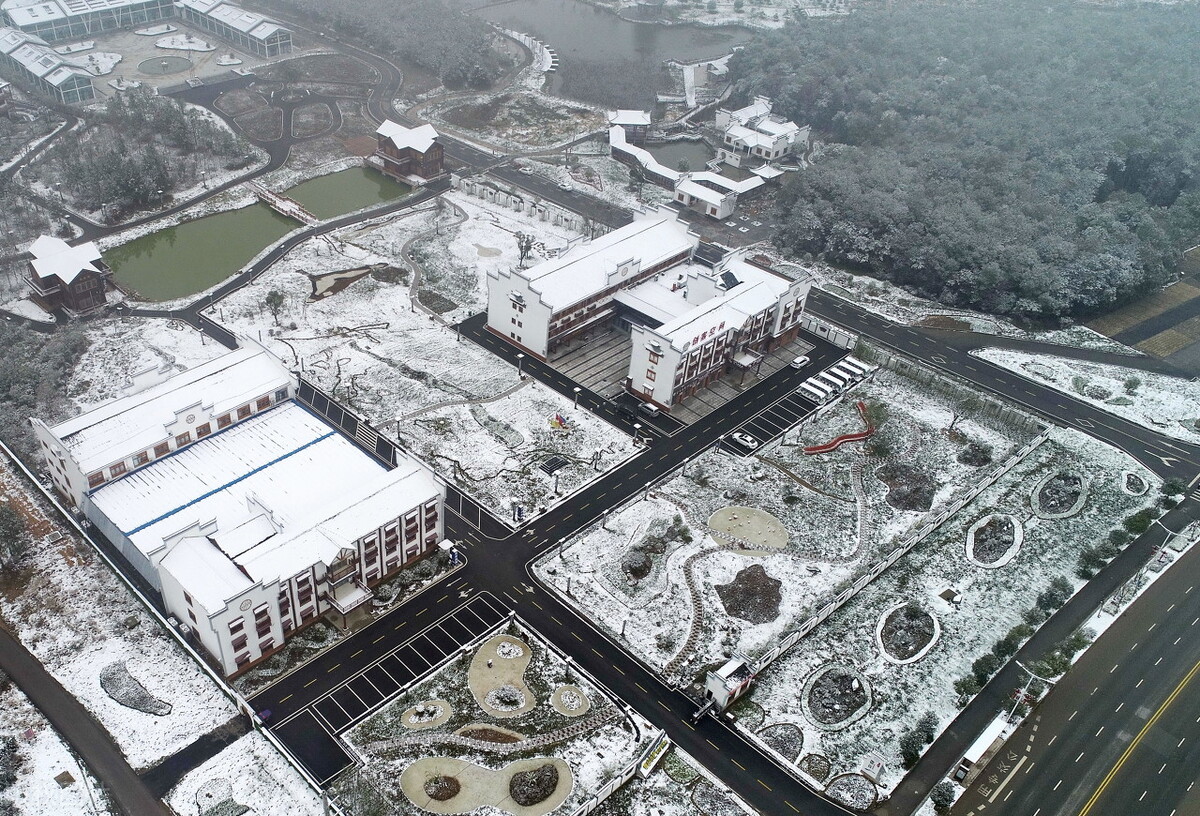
x: 831, y: 382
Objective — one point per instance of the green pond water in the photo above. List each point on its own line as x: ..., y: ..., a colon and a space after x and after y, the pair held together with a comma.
x: 696, y: 154
x: 183, y: 260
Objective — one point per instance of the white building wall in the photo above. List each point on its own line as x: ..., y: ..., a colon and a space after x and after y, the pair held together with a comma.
x: 640, y: 362
x: 528, y: 327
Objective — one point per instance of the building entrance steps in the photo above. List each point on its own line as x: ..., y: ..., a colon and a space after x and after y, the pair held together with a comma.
x: 600, y: 363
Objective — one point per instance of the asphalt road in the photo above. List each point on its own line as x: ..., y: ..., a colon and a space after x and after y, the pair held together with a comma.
x: 1120, y: 733
x: 79, y: 729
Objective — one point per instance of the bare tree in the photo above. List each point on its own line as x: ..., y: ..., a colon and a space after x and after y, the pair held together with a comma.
x: 524, y: 246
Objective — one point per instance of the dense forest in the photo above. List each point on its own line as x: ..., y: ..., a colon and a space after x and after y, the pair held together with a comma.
x: 137, y: 149
x: 1025, y: 158
x: 453, y: 45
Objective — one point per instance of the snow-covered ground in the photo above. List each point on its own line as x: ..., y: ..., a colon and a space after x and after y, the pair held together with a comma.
x: 258, y: 777
x: 679, y: 786
x: 594, y: 172
x: 134, y: 353
x: 184, y: 42
x: 594, y: 756
x: 517, y: 118
x: 1169, y: 405
x: 818, y: 499
x: 76, y: 617
x: 904, y: 307
x: 473, y: 239
x: 43, y: 755
x: 993, y: 600
x: 100, y: 63
x: 26, y: 308
x: 404, y: 370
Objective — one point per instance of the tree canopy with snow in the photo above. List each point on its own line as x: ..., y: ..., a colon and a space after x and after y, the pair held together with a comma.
x: 1024, y: 158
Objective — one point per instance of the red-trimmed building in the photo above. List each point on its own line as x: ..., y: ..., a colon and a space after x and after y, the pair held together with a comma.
x: 412, y: 155
x: 67, y: 277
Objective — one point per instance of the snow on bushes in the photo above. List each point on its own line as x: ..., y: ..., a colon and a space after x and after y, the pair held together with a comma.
x: 907, y: 632
x: 994, y: 540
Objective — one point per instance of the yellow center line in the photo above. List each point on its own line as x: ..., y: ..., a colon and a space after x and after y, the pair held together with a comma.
x: 618, y: 668
x: 444, y: 597
x: 356, y: 654
x: 713, y: 744
x: 535, y: 603
x: 285, y: 699
x: 310, y: 682
x: 331, y: 668
x: 740, y: 765
x: 1137, y: 740
x: 381, y: 637
x: 422, y: 612
x: 764, y: 784
x: 789, y: 804
x: 577, y: 637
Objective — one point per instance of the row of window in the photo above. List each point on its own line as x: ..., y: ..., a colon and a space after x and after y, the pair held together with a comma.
x: 163, y: 448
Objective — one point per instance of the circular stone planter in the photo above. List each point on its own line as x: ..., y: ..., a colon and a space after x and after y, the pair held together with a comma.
x: 785, y: 739
x: 167, y: 64
x: 570, y: 701
x: 924, y: 650
x: 1007, y: 555
x: 1139, y: 484
x: 417, y: 720
x: 1036, y: 502
x: 748, y: 530
x: 853, y: 790
x: 852, y: 716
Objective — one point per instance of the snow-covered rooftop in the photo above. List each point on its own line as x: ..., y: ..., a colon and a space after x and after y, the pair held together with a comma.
x: 655, y: 300
x: 584, y: 269
x: 54, y: 257
x: 418, y: 138
x: 705, y: 194
x: 28, y: 12
x: 629, y: 118
x: 125, y: 426
x: 761, y: 106
x: 36, y: 57
x: 205, y: 573
x: 236, y: 17
x: 276, y: 493
x: 756, y: 289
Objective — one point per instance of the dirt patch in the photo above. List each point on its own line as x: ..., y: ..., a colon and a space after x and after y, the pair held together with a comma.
x: 752, y: 595
x: 484, y: 734
x: 309, y: 120
x: 1060, y: 493
x: 993, y: 539
x: 944, y: 322
x: 906, y: 631
x: 908, y: 488
x: 391, y: 274
x: 836, y: 695
x: 785, y: 739
x: 337, y: 68
x: 528, y: 788
x: 442, y: 788
x: 816, y: 766
x: 976, y: 454
x: 264, y: 125
x: 235, y: 103
x: 436, y: 301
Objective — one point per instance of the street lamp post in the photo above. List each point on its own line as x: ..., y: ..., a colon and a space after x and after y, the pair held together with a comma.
x: 160, y: 197
x: 577, y: 390
x: 637, y: 430
x: 520, y: 363
x: 58, y: 189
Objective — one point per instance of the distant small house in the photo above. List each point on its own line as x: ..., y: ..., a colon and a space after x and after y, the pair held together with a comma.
x: 63, y: 276
x: 413, y: 155
x: 635, y: 122
x: 753, y: 135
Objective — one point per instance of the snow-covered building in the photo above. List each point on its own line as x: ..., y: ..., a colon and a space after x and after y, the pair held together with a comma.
x: 754, y: 135
x: 55, y: 20
x: 253, y: 516
x: 412, y: 155
x: 541, y: 308
x: 635, y: 123
x: 28, y: 59
x: 695, y: 324
x: 68, y: 277
x: 247, y: 30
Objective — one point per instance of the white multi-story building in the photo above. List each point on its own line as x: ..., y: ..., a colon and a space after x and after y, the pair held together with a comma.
x: 696, y: 324
x: 690, y: 322
x: 753, y: 135
x: 541, y: 308
x: 243, y: 507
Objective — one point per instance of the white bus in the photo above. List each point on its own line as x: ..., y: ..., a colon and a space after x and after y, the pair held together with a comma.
x: 838, y: 383
x: 856, y: 365
x: 816, y: 393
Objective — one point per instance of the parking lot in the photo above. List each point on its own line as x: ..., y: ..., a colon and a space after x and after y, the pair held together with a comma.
x: 310, y: 734
x: 773, y: 422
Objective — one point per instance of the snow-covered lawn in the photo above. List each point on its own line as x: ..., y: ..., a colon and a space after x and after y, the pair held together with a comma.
x: 1169, y: 405
x: 993, y: 600
x: 76, y: 617
x: 100, y: 63
x: 593, y: 171
x: 409, y: 373
x: 594, y: 756
x: 257, y: 777
x: 834, y: 506
x: 43, y: 756
x: 134, y: 352
x: 679, y: 786
x: 474, y: 238
x: 520, y: 119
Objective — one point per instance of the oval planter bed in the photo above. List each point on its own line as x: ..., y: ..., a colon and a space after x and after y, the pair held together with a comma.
x: 785, y: 739
x: 835, y: 696
x: 994, y: 540
x: 1133, y: 484
x: 1059, y: 495
x: 853, y: 790
x: 906, y: 632
x: 815, y: 765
